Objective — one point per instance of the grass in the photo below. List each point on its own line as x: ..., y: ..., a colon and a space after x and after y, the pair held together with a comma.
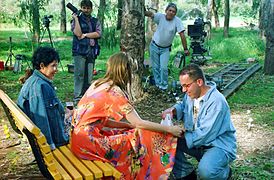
x: 255, y: 95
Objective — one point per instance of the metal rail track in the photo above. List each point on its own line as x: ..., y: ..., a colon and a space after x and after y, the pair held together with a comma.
x: 231, y: 77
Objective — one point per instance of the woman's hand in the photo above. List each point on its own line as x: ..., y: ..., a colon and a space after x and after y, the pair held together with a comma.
x: 68, y: 113
x: 170, y: 111
x: 176, y: 131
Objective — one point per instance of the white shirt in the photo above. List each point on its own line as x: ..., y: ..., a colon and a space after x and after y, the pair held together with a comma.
x: 166, y: 29
x: 196, y: 108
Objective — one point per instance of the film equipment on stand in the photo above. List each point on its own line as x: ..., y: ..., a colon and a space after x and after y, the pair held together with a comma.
x: 19, y: 59
x: 46, y: 22
x: 197, y: 35
x: 10, y: 55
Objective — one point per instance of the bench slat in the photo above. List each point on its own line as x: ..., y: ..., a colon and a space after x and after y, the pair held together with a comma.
x: 116, y: 174
x: 51, y: 166
x: 67, y: 165
x: 48, y: 157
x: 62, y: 171
x: 107, y: 171
x: 76, y: 162
x: 21, y: 116
x: 18, y: 123
x: 92, y: 167
x: 41, y: 139
x: 45, y: 148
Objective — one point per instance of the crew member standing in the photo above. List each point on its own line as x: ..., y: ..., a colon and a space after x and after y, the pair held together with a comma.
x: 85, y: 48
x: 167, y: 26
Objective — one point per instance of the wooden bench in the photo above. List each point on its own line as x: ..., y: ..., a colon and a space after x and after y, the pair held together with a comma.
x: 60, y: 163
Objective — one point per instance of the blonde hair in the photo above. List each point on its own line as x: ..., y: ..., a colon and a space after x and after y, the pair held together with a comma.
x: 118, y: 71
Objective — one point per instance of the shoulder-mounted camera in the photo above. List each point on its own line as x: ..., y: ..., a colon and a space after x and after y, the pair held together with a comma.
x: 74, y: 9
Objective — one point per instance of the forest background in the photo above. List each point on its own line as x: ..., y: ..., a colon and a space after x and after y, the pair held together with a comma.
x: 233, y: 40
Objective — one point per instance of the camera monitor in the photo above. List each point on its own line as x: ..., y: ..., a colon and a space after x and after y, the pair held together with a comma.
x: 195, y: 30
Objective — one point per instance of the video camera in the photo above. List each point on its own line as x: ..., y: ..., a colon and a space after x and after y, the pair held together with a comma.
x: 46, y: 20
x: 196, y: 30
x: 197, y: 34
x: 74, y: 9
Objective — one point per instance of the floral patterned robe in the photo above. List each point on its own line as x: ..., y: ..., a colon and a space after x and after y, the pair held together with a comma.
x: 136, y: 153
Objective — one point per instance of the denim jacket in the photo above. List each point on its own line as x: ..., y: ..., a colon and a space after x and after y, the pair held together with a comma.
x: 214, y: 126
x: 39, y: 102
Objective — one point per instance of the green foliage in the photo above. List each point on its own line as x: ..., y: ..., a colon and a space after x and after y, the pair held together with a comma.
x: 110, y: 37
x: 256, y: 95
x: 256, y: 166
x: 242, y: 44
x: 250, y: 12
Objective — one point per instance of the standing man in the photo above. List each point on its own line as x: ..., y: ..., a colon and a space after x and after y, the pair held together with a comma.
x: 167, y: 26
x: 209, y: 134
x: 85, y: 48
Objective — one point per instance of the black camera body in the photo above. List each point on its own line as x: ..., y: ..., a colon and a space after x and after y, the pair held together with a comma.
x: 74, y: 9
x: 46, y: 20
x: 197, y: 34
x: 196, y: 31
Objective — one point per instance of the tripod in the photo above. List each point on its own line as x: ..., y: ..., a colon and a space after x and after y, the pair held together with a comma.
x: 9, y: 59
x: 46, y: 22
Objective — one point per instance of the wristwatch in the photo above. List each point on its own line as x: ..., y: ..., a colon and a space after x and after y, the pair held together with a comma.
x: 85, y: 35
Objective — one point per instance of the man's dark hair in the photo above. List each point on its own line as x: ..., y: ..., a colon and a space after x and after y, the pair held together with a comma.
x: 194, y: 72
x: 173, y: 5
x: 86, y: 3
x: 45, y: 55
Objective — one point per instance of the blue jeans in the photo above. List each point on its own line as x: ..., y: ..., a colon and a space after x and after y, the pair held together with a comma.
x: 159, y: 60
x: 213, y: 162
x: 83, y: 73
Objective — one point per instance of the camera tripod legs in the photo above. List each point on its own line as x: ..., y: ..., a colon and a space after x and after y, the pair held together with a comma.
x: 51, y: 42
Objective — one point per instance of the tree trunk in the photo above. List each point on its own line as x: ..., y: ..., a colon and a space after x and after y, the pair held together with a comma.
x: 262, y: 18
x: 209, y: 10
x: 215, y: 12
x: 226, y: 22
x: 63, y: 25
x: 119, y: 15
x: 35, y: 21
x: 133, y: 41
x: 269, y: 33
x: 101, y: 13
x: 151, y: 26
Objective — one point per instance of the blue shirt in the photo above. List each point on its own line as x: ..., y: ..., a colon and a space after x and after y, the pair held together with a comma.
x: 39, y: 102
x: 214, y: 126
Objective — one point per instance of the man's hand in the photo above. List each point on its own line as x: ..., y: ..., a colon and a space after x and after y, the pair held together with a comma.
x: 74, y: 16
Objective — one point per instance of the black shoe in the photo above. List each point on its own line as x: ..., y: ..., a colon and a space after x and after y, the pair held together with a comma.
x: 191, y: 176
x: 230, y: 174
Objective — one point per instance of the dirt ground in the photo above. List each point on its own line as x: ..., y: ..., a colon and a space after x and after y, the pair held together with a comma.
x: 16, y: 159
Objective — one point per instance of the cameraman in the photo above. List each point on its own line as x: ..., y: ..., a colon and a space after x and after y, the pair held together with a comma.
x: 167, y: 26
x: 85, y: 48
